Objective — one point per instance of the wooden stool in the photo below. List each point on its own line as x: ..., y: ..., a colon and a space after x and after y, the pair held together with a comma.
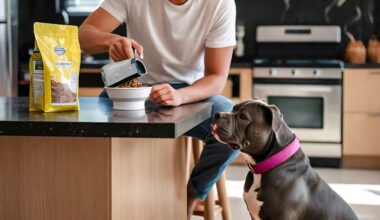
x: 210, y: 208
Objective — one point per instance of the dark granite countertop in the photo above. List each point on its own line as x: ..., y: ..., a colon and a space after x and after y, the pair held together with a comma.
x: 241, y: 65
x: 97, y: 119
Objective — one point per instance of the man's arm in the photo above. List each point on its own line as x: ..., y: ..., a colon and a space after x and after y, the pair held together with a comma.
x: 217, y: 64
x: 95, y: 37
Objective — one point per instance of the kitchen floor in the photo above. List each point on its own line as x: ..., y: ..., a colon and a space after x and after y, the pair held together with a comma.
x: 360, y: 188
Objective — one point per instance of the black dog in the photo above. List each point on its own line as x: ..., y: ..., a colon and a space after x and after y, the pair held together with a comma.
x: 290, y: 190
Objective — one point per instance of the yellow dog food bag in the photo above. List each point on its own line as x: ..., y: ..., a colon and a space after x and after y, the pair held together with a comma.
x: 54, y: 68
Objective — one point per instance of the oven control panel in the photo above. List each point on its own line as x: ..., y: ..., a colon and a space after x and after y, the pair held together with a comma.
x: 298, y: 73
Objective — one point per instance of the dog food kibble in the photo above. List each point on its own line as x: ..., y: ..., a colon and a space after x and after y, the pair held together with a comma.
x: 135, y: 83
x: 61, y: 93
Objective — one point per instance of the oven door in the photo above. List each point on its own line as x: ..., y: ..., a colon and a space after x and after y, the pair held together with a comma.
x: 313, y: 112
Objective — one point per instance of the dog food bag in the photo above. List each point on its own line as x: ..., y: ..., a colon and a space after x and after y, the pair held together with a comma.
x: 54, y: 68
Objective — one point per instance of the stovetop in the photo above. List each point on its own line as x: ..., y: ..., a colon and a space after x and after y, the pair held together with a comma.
x: 299, y: 63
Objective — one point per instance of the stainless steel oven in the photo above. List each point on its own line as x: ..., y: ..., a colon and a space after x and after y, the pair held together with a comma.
x: 310, y: 100
x: 297, y: 68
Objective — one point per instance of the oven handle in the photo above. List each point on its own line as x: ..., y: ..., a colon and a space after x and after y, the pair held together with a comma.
x: 297, y: 88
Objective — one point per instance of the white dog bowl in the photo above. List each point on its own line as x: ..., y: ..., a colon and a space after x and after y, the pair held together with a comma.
x: 128, y: 98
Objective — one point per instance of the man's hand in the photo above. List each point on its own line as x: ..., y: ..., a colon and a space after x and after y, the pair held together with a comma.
x: 164, y: 94
x: 121, y: 48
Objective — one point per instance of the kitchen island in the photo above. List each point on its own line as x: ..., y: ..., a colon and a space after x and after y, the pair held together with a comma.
x: 96, y: 163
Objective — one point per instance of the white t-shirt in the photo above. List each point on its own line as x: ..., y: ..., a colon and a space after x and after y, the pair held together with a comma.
x: 174, y: 37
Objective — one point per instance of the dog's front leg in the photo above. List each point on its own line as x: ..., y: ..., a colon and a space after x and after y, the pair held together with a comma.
x: 253, y: 205
x: 250, y: 196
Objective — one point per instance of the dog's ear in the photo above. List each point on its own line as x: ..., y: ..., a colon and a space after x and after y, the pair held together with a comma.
x: 277, y: 118
x: 283, y: 134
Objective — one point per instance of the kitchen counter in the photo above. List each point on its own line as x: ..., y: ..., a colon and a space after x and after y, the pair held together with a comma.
x: 97, y: 119
x: 96, y: 163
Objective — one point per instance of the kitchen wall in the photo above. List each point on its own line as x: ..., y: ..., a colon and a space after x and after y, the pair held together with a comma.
x: 355, y: 16
x: 31, y: 11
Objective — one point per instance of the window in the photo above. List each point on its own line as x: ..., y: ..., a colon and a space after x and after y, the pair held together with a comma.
x: 81, y: 6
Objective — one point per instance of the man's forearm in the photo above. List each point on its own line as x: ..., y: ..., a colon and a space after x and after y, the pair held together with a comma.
x: 94, y: 41
x: 204, y: 88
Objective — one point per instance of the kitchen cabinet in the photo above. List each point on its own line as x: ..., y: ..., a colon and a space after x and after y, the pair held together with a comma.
x: 90, y: 83
x: 361, y: 118
x: 362, y: 134
x: 90, y: 91
x: 361, y: 90
x: 239, y: 84
x: 95, y: 163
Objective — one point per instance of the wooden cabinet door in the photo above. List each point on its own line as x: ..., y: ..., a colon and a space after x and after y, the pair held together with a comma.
x: 245, y: 77
x: 362, y: 90
x: 361, y: 134
x: 90, y: 91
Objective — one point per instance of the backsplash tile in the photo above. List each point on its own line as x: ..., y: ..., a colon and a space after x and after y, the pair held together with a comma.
x: 355, y: 16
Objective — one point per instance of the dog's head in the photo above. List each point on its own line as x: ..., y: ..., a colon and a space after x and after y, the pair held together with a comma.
x: 251, y: 127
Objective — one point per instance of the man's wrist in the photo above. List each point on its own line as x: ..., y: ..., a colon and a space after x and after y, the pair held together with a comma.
x: 111, y: 39
x: 183, y: 95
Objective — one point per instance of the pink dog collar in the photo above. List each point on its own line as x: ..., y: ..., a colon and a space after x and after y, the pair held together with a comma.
x: 276, y: 159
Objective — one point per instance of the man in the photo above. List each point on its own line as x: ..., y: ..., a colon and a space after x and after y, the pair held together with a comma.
x: 188, y: 47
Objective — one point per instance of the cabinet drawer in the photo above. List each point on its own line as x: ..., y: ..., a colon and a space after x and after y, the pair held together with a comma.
x: 361, y: 134
x: 227, y: 91
x: 90, y: 91
x: 361, y: 90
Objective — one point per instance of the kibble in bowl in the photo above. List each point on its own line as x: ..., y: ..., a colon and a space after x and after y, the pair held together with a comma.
x: 135, y: 83
x: 129, y: 96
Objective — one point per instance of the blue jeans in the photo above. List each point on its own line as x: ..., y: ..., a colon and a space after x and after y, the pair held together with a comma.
x: 215, y: 156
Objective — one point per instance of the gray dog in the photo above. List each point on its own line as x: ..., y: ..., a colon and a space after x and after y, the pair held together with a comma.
x: 290, y: 189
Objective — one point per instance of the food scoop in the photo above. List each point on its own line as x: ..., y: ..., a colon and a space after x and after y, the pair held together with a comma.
x: 118, y: 73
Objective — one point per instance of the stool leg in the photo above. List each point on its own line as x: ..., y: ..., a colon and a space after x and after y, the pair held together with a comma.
x: 209, y: 204
x: 223, y: 197
x: 197, y: 149
x: 188, y: 157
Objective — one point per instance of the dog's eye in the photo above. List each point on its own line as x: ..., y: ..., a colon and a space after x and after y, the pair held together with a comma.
x: 242, y: 116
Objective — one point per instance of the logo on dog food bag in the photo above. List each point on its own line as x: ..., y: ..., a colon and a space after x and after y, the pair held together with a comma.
x: 59, y: 50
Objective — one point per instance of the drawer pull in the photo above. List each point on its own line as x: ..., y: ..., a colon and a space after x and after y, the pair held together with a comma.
x: 374, y: 114
x: 374, y: 73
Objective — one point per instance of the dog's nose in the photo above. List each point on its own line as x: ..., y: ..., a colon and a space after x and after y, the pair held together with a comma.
x: 218, y: 116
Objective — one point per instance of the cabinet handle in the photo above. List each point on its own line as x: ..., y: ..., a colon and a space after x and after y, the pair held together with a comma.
x: 374, y: 114
x: 374, y: 73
